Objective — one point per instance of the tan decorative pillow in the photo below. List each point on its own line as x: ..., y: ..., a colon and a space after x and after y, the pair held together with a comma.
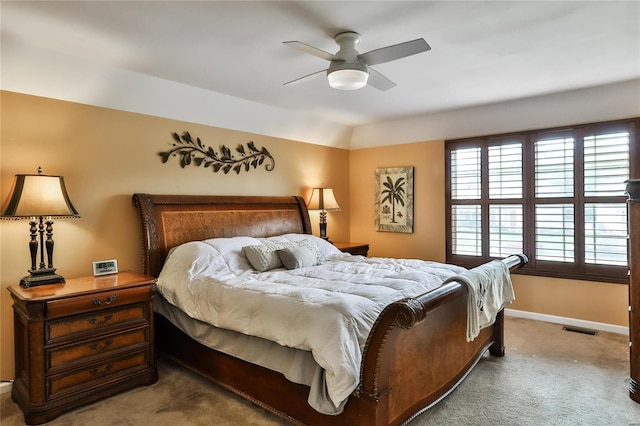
x: 263, y: 257
x: 297, y: 257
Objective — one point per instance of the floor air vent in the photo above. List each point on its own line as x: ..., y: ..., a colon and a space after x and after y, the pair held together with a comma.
x: 580, y: 330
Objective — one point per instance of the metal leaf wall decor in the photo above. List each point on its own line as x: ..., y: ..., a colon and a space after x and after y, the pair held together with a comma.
x: 194, y: 152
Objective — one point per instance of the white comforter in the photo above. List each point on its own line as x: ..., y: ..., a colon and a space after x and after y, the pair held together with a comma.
x: 327, y: 309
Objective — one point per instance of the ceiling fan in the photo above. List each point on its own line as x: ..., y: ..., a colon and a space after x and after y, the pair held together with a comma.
x: 350, y: 70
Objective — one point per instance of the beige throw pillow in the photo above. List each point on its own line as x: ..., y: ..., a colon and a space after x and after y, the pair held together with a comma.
x: 297, y: 257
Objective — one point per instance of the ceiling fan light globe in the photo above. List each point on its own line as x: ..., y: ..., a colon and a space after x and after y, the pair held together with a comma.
x: 348, y: 79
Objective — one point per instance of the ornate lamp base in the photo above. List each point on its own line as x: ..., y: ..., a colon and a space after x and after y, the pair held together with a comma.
x: 41, y: 277
x: 323, y: 226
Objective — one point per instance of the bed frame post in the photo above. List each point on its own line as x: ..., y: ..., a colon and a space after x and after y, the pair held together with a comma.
x: 497, y: 348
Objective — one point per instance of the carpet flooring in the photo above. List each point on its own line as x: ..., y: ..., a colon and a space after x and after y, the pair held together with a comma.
x: 548, y: 377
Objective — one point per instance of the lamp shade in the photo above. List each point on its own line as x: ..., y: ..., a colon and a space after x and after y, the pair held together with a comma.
x: 323, y: 199
x: 348, y: 79
x: 39, y: 195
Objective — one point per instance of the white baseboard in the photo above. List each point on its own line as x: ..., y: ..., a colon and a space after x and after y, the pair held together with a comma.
x: 5, y: 387
x: 601, y: 326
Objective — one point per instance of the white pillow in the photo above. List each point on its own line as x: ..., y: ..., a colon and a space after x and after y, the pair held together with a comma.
x: 194, y: 258
x: 231, y: 250
x: 186, y: 263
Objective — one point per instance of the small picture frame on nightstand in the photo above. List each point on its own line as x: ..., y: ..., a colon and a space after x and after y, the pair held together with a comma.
x: 105, y: 267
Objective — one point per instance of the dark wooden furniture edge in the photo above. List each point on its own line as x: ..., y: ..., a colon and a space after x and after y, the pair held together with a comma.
x: 38, y: 413
x: 361, y: 249
x: 428, y: 324
x: 633, y: 201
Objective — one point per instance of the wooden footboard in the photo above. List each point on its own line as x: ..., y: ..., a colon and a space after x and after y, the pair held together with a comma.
x: 416, y: 352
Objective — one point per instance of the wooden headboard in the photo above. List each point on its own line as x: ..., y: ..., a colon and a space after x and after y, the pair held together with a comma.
x: 170, y: 220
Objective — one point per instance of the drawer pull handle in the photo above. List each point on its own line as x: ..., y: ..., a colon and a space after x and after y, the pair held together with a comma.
x: 95, y: 372
x: 96, y: 347
x: 106, y: 319
x: 110, y: 299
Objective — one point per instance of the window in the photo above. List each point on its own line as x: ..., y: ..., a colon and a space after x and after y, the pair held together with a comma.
x: 557, y: 195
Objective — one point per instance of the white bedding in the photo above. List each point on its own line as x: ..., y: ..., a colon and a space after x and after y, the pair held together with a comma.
x: 327, y: 309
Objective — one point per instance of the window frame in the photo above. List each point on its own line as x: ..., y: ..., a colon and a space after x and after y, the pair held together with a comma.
x: 579, y: 269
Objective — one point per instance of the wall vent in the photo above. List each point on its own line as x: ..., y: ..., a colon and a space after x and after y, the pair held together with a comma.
x: 580, y: 330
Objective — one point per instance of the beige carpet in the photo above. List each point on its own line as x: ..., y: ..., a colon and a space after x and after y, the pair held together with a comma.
x: 548, y: 377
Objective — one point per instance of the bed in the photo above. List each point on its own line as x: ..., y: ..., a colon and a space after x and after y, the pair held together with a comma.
x: 414, y: 355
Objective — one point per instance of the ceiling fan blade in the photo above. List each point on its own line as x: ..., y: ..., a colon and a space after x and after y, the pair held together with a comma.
x: 379, y: 81
x: 303, y: 79
x: 310, y: 49
x: 396, y: 51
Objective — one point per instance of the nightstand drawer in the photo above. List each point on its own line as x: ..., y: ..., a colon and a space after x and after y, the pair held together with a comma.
x: 95, y: 375
x: 96, y: 301
x: 105, y: 321
x: 67, y: 356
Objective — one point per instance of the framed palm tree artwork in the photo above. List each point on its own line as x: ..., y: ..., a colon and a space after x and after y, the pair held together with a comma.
x: 394, y: 199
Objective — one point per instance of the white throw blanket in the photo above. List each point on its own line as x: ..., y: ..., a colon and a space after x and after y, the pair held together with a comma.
x: 490, y: 290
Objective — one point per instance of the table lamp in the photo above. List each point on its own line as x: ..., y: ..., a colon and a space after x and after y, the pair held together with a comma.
x: 322, y: 199
x: 40, y: 197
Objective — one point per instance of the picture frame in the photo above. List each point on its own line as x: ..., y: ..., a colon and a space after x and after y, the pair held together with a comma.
x: 394, y: 199
x: 105, y: 267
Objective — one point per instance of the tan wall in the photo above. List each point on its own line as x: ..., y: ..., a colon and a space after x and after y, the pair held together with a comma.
x: 107, y: 155
x: 590, y: 301
x: 428, y: 239
x: 586, y: 300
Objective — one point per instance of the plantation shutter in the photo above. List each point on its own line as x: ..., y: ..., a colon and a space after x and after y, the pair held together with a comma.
x: 606, y: 164
x: 505, y: 182
x: 554, y: 223
x: 505, y: 229
x: 465, y: 174
x: 466, y: 222
x: 505, y: 171
x: 555, y: 232
x: 605, y: 233
x: 606, y: 167
x: 554, y: 167
x: 466, y: 226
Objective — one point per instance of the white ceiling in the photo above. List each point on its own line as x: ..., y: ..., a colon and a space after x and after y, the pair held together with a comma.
x: 482, y: 52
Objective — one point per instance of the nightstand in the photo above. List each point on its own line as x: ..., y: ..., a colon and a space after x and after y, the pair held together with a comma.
x: 353, y: 248
x: 80, y: 341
